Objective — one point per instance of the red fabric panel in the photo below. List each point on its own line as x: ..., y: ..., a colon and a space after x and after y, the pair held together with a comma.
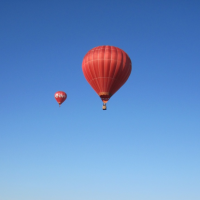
x: 107, y: 66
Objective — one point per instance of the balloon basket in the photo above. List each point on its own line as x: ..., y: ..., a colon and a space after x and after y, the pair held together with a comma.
x: 104, y: 107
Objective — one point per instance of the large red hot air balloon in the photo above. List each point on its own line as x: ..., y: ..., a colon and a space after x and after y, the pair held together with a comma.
x: 60, y: 97
x: 106, y: 68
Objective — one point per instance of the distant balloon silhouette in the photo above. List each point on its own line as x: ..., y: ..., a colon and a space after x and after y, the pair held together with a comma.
x: 106, y: 68
x: 60, y: 97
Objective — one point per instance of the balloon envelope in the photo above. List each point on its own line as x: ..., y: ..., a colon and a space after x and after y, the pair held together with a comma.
x: 106, y: 68
x: 60, y: 97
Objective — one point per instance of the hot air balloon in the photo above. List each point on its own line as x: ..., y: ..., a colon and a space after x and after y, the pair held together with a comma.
x: 60, y: 97
x: 106, y: 68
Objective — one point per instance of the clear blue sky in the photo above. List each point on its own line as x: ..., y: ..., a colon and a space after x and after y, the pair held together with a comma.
x: 146, y: 146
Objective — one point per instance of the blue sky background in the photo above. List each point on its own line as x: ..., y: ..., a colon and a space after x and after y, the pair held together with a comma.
x: 146, y: 146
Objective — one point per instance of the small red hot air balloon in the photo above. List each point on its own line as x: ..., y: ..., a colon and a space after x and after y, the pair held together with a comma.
x: 60, y: 97
x: 106, y: 68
